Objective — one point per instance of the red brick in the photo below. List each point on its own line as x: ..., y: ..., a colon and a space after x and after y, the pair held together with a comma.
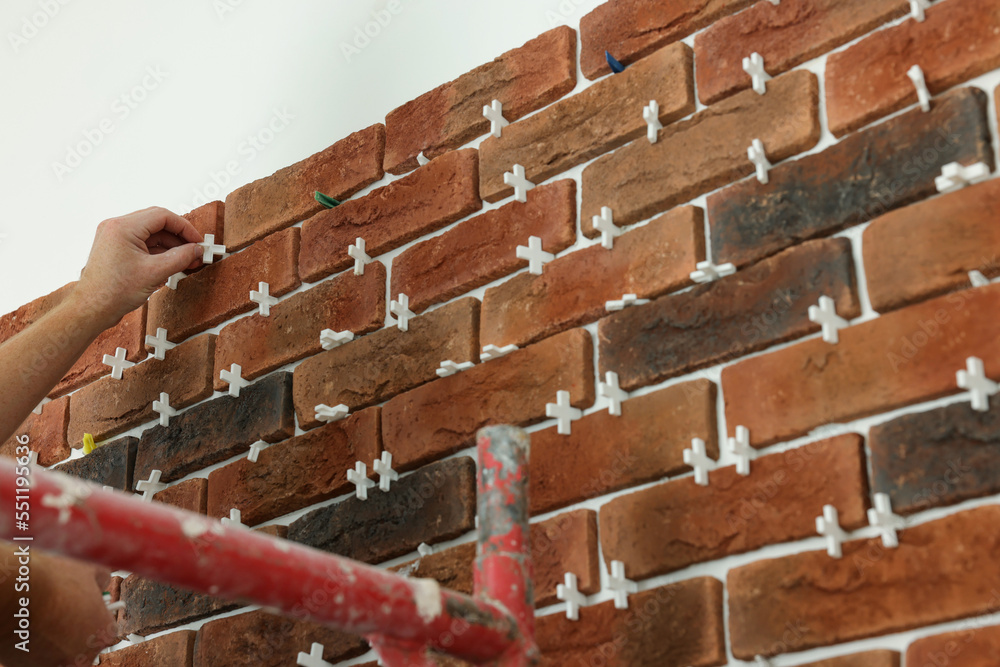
x: 644, y: 444
x: 667, y: 527
x: 956, y: 42
x: 523, y: 79
x: 437, y: 194
x: 221, y: 290
x: 974, y: 646
x: 274, y: 530
x: 676, y: 625
x: 565, y: 543
x: 174, y: 649
x: 700, y: 154
x: 945, y: 237
x: 443, y: 416
x: 786, y: 35
x: 381, y: 365
x: 484, y: 248
x: 451, y: 567
x: 943, y: 570
x: 261, y: 344
x: 108, y: 407
x: 903, y: 357
x: 296, y: 473
x: 20, y: 319
x: 210, y: 219
x: 633, y: 29
x: 594, y: 121
x: 879, y: 658
x: 44, y: 433
x: 287, y: 196
x: 190, y: 495
x: 152, y: 607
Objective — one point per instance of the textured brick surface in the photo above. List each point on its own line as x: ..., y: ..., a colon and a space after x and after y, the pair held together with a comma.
x: 523, y: 79
x: 262, y: 344
x: 565, y: 543
x: 632, y: 29
x: 221, y: 290
x: 691, y: 610
x: 880, y: 658
x: 269, y: 640
x: 295, y: 473
x: 430, y: 198
x: 437, y: 502
x: 210, y: 219
x: 443, y: 416
x: 190, y: 495
x: 20, y: 319
x: 108, y: 465
x: 286, y: 196
x: 388, y: 362
x: 44, y: 433
x: 151, y: 606
x: 871, y: 591
x: 853, y: 181
x: 945, y: 237
x: 484, y: 248
x: 975, y: 646
x: 174, y: 649
x: 700, y: 154
x: 451, y: 567
x: 218, y: 429
x: 764, y: 304
x: 108, y: 407
x: 903, y: 357
x: 956, y: 42
x: 594, y: 121
x: 670, y: 526
x: 605, y: 453
x: 573, y: 289
x: 274, y: 531
x: 786, y: 35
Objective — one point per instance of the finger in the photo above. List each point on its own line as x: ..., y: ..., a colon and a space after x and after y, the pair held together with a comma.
x: 159, y: 219
x: 164, y: 240
x: 102, y: 576
x: 174, y: 260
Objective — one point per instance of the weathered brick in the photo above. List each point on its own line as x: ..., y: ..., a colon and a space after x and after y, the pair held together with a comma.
x: 388, y: 362
x: 437, y: 194
x: 761, y: 305
x: 261, y: 344
x: 190, y: 495
x: 218, y: 429
x: 573, y: 289
x: 943, y: 570
x: 484, y: 248
x: 20, y: 319
x: 565, y: 543
x: 451, y: 567
x: 902, y: 357
x: 523, y: 79
x: 108, y: 465
x: 785, y: 35
x: 221, y: 290
x: 644, y: 444
x: 45, y: 433
x: 695, y: 156
x: 151, y: 606
x: 853, y: 181
x: 286, y: 196
x: 596, y: 120
x: 174, y: 649
x: 956, y: 42
x: 648, y: 633
x: 946, y: 237
x: 632, y: 29
x: 268, y: 640
x: 435, y: 503
x: 296, y: 473
x: 274, y: 530
x: 210, y: 219
x: 879, y: 658
x: 667, y: 527
x: 974, y: 646
x: 443, y: 416
x: 108, y: 407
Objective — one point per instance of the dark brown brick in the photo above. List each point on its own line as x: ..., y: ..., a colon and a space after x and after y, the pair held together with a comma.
x: 152, y: 607
x: 644, y: 444
x: 108, y: 465
x: 286, y: 196
x: 296, y: 473
x: 190, y: 495
x: 565, y: 543
x: 218, y: 429
x: 109, y: 407
x: 221, y: 290
x: 757, y: 307
x: 807, y: 600
x: 430, y: 198
x: 596, y: 120
x: 974, y: 646
x: 174, y: 649
x: 443, y: 416
x: 262, y: 344
x: 435, y: 503
x: 667, y: 527
x: 698, y: 155
x: 44, y: 433
x: 523, y: 79
x: 210, y: 219
x: 381, y: 365
x: 484, y: 248
x: 853, y: 181
x: 573, y: 289
x: 956, y: 42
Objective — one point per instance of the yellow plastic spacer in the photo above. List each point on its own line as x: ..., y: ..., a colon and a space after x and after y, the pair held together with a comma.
x: 88, y: 443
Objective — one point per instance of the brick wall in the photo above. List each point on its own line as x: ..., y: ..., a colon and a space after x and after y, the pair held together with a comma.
x: 726, y: 571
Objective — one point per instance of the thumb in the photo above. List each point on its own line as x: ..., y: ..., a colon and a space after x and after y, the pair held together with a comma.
x: 173, y: 261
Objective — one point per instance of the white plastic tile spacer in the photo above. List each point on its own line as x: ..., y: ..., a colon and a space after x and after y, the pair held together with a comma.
x: 422, y: 159
x: 174, y: 279
x: 696, y: 457
x: 825, y: 314
x: 706, y: 272
x: 150, y: 486
x: 234, y: 376
x: 361, y: 258
x: 325, y: 413
x: 136, y: 639
x: 262, y: 297
x: 383, y: 468
x: 314, y: 658
x: 255, y: 450
x: 760, y: 162
x: 359, y: 478
x: 977, y: 279
x: 400, y: 309
x: 159, y: 343
x: 449, y: 368
x: 761, y: 661
x: 619, y: 585
x: 754, y: 66
x: 41, y: 405
x: 882, y: 517
x: 533, y: 253
x: 494, y: 113
x: 568, y: 593
x: 519, y: 181
x: 32, y: 458
x: 494, y: 352
x: 563, y: 411
x: 329, y: 339
x: 739, y: 447
x: 235, y: 518
x: 828, y: 526
x: 605, y: 224
x: 916, y: 75
x: 651, y: 114
x: 118, y: 362
x: 211, y: 249
x: 955, y: 176
x: 610, y: 390
x: 917, y: 9
x: 162, y: 407
x: 975, y: 381
x: 623, y: 303
x: 115, y: 606
x: 424, y: 549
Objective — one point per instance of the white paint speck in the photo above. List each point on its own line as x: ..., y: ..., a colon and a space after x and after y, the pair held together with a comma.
x: 427, y: 596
